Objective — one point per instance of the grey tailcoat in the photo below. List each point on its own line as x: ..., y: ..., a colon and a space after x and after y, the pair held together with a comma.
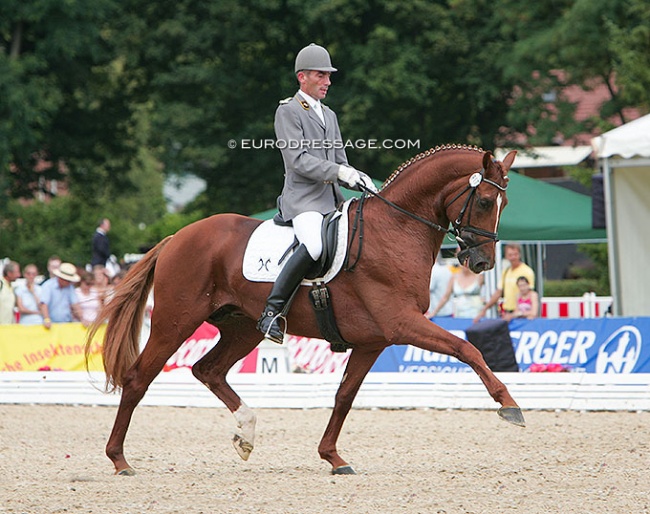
x: 311, y: 161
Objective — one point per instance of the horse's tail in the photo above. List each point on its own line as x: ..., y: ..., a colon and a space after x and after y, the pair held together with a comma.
x: 125, y: 314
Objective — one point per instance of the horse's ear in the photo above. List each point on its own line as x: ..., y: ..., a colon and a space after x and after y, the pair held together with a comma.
x: 487, y: 159
x: 509, y: 159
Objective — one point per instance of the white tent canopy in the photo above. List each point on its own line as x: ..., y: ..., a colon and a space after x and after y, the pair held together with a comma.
x: 624, y: 155
x: 546, y: 156
x: 629, y: 140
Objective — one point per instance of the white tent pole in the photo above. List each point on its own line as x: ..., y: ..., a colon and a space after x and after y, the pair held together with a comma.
x: 492, y: 278
x: 611, y: 237
x: 539, y: 279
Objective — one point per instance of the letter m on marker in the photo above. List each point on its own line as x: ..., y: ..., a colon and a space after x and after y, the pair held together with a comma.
x: 269, y: 367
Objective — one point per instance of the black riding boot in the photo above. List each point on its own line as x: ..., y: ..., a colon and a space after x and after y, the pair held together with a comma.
x: 287, y: 282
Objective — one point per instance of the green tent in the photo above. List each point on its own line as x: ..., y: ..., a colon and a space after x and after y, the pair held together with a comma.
x: 536, y: 212
x: 268, y: 214
x: 541, y: 212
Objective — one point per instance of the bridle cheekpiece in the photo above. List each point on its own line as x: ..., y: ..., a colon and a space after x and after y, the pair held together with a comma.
x: 475, y: 180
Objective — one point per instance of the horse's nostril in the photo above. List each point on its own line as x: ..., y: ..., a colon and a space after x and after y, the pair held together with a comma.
x: 480, y: 266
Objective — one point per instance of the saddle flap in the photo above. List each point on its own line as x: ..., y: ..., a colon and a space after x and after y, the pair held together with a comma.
x: 329, y: 236
x: 269, y: 243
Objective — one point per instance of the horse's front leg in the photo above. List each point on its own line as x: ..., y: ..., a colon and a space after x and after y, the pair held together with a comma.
x: 356, y: 370
x: 421, y: 332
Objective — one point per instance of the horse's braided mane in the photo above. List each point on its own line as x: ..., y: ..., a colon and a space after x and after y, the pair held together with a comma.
x: 428, y: 153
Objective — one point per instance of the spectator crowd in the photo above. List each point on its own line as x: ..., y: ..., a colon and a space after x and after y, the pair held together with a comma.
x: 461, y: 293
x: 66, y: 293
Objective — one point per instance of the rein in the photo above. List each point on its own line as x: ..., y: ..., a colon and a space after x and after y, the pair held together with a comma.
x: 474, y: 180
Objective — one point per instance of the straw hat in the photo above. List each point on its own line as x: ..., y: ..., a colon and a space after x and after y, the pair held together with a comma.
x: 67, y: 272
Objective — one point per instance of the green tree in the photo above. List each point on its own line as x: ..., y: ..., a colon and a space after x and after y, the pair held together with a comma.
x: 62, y: 103
x: 114, y: 97
x: 208, y: 72
x: 560, y: 43
x: 64, y: 225
x: 67, y: 114
x: 214, y: 72
x: 630, y: 46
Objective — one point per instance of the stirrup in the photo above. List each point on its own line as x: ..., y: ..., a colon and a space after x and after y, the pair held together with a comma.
x: 278, y: 336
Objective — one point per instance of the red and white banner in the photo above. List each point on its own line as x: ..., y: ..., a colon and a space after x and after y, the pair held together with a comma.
x: 586, y: 306
x: 199, y: 344
x: 298, y: 354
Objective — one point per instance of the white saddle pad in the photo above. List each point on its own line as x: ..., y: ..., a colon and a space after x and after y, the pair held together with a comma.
x: 269, y: 242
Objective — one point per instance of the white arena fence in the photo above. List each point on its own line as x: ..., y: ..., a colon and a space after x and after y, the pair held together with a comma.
x: 274, y: 385
x: 554, y: 391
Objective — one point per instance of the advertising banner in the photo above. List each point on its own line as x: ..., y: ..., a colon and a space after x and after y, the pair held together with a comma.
x: 603, y: 345
x: 35, y: 348
x: 61, y: 348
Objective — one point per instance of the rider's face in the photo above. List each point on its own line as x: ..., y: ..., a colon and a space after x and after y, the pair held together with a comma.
x: 314, y: 83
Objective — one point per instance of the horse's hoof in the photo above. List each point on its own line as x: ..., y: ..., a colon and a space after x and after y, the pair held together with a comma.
x: 243, y: 447
x: 344, y: 470
x: 512, y: 415
x: 126, y: 472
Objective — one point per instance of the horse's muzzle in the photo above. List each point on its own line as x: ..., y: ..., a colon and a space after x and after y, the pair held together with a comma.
x: 475, y: 259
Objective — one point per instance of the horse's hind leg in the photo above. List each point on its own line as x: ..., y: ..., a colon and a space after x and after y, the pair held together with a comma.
x: 137, y: 380
x: 239, y: 337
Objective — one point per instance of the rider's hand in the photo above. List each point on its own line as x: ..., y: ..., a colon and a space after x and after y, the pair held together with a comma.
x: 349, y: 176
x: 368, y: 183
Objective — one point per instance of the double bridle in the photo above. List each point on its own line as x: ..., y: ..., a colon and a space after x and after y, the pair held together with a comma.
x: 456, y: 229
x: 474, y: 180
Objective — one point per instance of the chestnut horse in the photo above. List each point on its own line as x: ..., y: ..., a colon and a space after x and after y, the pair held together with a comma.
x: 196, y: 275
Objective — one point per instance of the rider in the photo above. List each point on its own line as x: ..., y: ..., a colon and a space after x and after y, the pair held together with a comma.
x: 309, y: 139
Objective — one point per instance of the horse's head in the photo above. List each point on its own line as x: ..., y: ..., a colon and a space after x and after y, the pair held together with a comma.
x: 476, y: 210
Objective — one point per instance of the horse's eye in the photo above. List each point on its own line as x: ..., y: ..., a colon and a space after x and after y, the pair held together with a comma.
x: 485, y: 203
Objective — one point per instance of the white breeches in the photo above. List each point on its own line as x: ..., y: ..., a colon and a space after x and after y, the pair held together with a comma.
x: 307, y: 226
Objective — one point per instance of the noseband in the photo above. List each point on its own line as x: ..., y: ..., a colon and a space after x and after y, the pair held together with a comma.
x: 474, y: 181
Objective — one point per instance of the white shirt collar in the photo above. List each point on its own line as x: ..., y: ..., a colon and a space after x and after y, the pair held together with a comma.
x: 313, y: 103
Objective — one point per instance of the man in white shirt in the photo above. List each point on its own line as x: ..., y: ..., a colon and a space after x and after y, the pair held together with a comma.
x: 10, y: 273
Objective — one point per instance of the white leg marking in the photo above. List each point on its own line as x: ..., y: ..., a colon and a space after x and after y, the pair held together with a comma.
x: 244, y: 438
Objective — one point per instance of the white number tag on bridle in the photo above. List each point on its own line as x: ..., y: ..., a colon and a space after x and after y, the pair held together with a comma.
x: 475, y: 179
